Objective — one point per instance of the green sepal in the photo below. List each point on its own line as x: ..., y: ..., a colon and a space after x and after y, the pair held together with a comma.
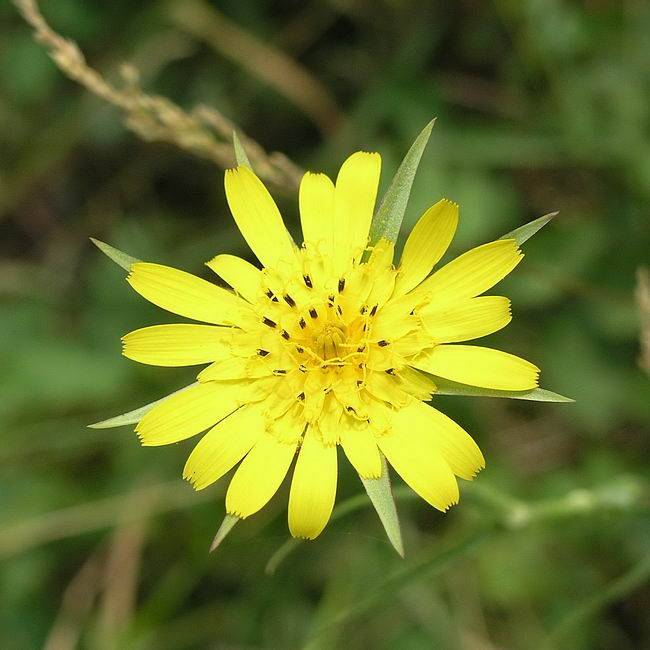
x: 525, y: 232
x: 382, y: 499
x: 227, y: 525
x: 240, y: 153
x: 120, y: 258
x: 448, y: 387
x: 388, y: 220
x: 132, y: 417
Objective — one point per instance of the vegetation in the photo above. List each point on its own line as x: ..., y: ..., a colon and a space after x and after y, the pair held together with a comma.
x: 540, y: 106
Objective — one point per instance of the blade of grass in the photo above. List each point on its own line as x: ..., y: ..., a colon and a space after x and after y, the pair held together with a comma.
x: 132, y: 417
x: 525, y: 232
x: 380, y: 494
x: 120, y: 258
x: 388, y: 219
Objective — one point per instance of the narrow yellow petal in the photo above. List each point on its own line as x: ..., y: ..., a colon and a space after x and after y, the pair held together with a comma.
x: 258, y: 217
x: 426, y: 244
x: 473, y: 272
x: 186, y: 295
x: 259, y: 476
x: 233, y: 367
x: 313, y: 488
x: 316, y: 200
x: 176, y: 345
x: 466, y: 320
x: 360, y: 447
x: 456, y: 446
x: 477, y: 366
x: 416, y: 383
x: 224, y: 446
x: 387, y: 388
x: 241, y: 275
x: 418, y: 460
x: 189, y: 412
x: 354, y: 204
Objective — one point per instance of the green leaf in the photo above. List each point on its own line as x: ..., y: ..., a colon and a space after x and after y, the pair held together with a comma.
x: 380, y: 494
x: 448, y: 387
x: 525, y: 232
x: 240, y: 153
x: 132, y: 417
x: 388, y: 220
x: 227, y: 525
x: 122, y: 259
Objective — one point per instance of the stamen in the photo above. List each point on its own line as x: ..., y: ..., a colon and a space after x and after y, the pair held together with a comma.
x: 262, y: 353
x: 383, y: 343
x: 302, y: 323
x: 390, y: 371
x: 301, y: 397
x: 313, y: 313
x: 341, y: 284
x: 373, y: 311
x: 268, y: 322
x: 279, y: 371
x: 299, y: 349
x: 308, y: 281
x: 363, y: 310
x: 339, y: 310
x: 285, y: 335
x: 361, y: 349
x: 289, y: 300
x: 302, y: 367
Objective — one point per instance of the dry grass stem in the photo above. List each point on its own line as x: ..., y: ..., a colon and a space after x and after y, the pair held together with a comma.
x: 264, y: 61
x: 203, y: 132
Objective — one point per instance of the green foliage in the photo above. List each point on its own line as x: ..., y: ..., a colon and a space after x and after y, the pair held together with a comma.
x: 540, y: 106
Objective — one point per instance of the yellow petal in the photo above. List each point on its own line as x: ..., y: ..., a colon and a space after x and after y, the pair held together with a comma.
x: 466, y: 320
x: 456, y: 446
x: 259, y: 476
x: 416, y: 383
x: 473, y: 272
x: 186, y: 295
x: 241, y: 275
x: 316, y: 200
x: 189, y: 412
x: 360, y: 447
x: 417, y: 459
x: 234, y: 367
x: 313, y: 488
x: 476, y: 366
x: 426, y: 244
x: 258, y: 217
x: 224, y: 446
x: 176, y: 345
x: 354, y: 204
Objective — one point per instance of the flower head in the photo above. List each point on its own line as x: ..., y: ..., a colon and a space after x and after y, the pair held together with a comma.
x: 327, y: 344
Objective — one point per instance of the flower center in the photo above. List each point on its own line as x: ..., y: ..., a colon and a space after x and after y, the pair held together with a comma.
x: 329, y: 342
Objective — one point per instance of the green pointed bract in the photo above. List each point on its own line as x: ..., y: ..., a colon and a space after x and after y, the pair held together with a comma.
x: 132, y: 417
x: 448, y: 387
x: 388, y: 219
x: 227, y: 525
x: 120, y: 258
x: 380, y: 494
x: 525, y: 232
x: 240, y: 153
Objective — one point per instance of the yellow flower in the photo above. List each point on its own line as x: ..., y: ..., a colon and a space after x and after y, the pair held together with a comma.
x: 328, y: 344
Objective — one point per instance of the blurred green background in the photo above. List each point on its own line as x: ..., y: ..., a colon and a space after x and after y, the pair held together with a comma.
x: 542, y: 105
